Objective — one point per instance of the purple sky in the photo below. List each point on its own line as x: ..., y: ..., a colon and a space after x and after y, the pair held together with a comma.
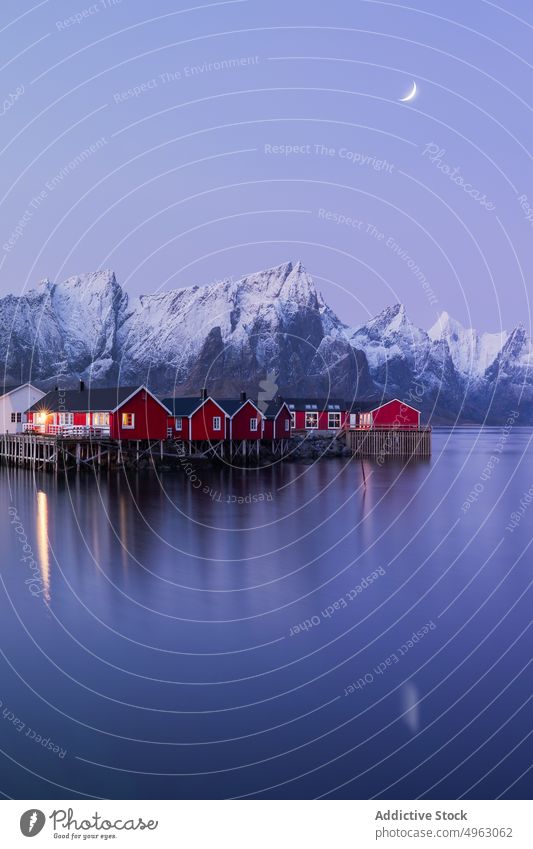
x: 179, y: 113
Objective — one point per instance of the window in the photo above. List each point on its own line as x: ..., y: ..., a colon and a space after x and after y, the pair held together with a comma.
x: 311, y: 420
x: 365, y: 419
x: 293, y: 419
x: 13, y: 417
x: 179, y: 423
x: 66, y: 418
x: 253, y: 424
x: 334, y: 421
x: 19, y: 417
x: 286, y: 424
x: 216, y: 423
x: 128, y: 420
x: 101, y: 419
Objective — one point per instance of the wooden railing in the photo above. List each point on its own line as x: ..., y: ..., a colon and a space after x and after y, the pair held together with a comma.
x: 66, y: 430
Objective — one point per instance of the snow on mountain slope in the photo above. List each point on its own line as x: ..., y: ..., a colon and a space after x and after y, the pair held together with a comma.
x: 229, y: 333
x: 472, y: 353
x: 61, y: 327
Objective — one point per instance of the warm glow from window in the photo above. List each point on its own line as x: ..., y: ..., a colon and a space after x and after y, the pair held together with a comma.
x: 128, y: 420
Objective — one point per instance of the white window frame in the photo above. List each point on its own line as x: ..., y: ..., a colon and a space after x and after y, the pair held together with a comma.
x: 217, y: 423
x: 253, y: 425
x: 337, y: 419
x: 178, y: 423
x: 293, y: 418
x: 287, y: 425
x: 128, y: 426
x: 101, y: 419
x: 66, y: 419
x: 311, y: 413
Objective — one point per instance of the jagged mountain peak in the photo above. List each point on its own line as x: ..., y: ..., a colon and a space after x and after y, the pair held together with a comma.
x: 472, y: 352
x: 392, y: 319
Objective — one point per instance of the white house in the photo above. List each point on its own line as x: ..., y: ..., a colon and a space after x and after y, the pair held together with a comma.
x: 14, y: 401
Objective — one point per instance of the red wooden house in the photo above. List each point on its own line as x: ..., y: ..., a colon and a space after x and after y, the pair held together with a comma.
x: 278, y: 421
x: 391, y: 415
x: 245, y: 420
x: 195, y: 419
x: 123, y: 412
x: 317, y: 414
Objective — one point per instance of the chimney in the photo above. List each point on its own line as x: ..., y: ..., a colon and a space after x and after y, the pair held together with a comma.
x: 204, y: 393
x: 243, y: 397
x: 82, y: 385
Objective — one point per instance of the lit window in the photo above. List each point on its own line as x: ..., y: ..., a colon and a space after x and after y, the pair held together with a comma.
x: 128, y: 420
x: 334, y: 421
x: 66, y: 418
x: 216, y: 423
x: 311, y: 420
x: 293, y: 419
x: 101, y: 419
x: 253, y: 424
x: 179, y: 423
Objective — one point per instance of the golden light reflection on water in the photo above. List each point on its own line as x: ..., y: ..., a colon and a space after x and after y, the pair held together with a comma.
x: 42, y: 542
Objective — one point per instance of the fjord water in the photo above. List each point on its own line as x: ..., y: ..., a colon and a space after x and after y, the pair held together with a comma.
x: 284, y: 633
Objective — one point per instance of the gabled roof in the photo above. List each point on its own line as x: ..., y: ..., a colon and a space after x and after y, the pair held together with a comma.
x: 274, y: 409
x: 7, y: 390
x: 232, y: 406
x: 373, y: 405
x: 403, y: 403
x: 314, y: 405
x: 187, y: 406
x: 181, y: 406
x: 85, y: 400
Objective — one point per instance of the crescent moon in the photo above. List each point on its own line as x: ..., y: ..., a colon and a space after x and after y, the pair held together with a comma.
x: 409, y: 96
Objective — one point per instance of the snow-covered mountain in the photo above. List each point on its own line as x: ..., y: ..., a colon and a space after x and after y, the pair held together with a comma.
x: 230, y: 335
x: 472, y: 353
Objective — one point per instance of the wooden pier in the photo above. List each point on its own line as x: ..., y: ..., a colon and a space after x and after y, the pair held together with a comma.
x: 65, y: 453
x: 385, y: 442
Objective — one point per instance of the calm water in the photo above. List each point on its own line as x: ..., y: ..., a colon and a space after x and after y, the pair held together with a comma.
x: 256, y: 639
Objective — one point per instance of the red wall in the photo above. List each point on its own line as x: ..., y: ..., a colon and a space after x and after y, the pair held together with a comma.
x: 279, y: 430
x: 396, y: 414
x: 202, y: 422
x: 240, y: 423
x: 150, y: 419
x: 322, y: 419
x: 276, y: 429
x: 185, y: 424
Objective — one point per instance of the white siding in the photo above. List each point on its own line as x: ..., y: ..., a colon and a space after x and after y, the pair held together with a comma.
x: 17, y: 402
